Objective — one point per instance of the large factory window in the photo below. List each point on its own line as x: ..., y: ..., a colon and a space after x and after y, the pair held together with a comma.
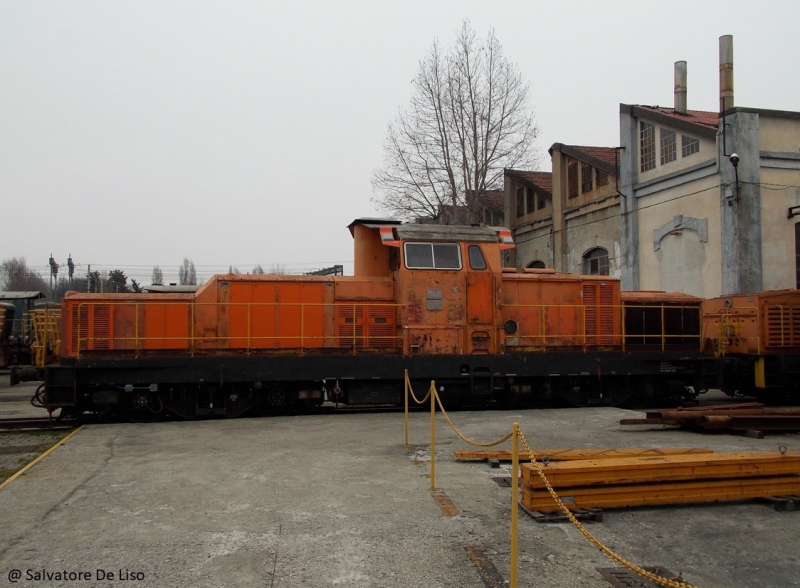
x: 595, y: 262
x: 433, y: 256
x: 647, y: 146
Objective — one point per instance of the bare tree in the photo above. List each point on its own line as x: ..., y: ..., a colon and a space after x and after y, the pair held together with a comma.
x: 157, y: 278
x: 278, y: 269
x: 15, y: 275
x: 468, y: 119
x: 258, y: 270
x: 232, y: 269
x: 187, y: 276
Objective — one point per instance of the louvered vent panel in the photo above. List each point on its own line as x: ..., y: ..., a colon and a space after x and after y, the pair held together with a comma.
x: 590, y: 311
x: 350, y: 326
x: 783, y: 326
x: 606, y: 312
x: 381, y: 327
x: 101, y: 331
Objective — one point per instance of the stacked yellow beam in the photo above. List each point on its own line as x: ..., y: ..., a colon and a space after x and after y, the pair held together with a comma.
x: 639, y: 481
x: 580, y: 454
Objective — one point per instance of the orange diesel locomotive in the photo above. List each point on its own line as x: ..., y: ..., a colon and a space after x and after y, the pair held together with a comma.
x: 434, y: 300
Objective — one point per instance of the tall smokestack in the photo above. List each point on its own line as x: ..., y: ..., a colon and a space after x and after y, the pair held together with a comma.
x: 680, y: 87
x: 725, y: 72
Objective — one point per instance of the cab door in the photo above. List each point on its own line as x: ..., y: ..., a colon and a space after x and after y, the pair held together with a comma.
x: 481, y: 304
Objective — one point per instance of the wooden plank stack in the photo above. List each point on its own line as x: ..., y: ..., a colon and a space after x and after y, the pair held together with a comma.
x: 664, y: 479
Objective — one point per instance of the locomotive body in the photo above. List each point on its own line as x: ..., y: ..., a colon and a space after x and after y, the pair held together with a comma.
x: 434, y: 300
x: 757, y: 339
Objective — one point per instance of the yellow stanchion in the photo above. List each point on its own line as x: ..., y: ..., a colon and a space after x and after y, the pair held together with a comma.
x: 433, y: 395
x: 405, y: 396
x: 514, y: 502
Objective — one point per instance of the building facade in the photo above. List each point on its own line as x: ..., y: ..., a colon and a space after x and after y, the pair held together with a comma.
x: 709, y: 199
x: 567, y: 220
x: 692, y: 201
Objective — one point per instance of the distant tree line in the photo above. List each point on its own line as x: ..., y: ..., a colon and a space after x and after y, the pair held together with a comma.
x: 17, y: 276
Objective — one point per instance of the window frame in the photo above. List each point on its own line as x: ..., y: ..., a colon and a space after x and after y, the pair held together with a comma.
x: 587, y: 181
x: 473, y: 266
x: 602, y: 260
x: 572, y: 178
x: 689, y: 145
x: 668, y: 145
x: 433, y: 245
x: 647, y: 146
x: 600, y: 177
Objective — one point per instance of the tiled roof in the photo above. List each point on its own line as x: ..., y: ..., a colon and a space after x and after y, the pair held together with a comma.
x: 699, y: 117
x: 542, y: 180
x: 606, y: 154
x: 495, y: 199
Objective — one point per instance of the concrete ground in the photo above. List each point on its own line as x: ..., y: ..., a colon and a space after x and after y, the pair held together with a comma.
x: 335, y: 500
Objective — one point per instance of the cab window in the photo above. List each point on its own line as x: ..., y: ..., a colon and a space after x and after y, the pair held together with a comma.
x: 433, y: 256
x: 476, y: 259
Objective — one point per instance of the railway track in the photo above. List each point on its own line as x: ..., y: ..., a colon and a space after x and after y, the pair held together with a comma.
x: 37, y: 424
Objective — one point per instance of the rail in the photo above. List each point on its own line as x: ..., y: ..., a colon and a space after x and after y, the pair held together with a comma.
x: 302, y: 326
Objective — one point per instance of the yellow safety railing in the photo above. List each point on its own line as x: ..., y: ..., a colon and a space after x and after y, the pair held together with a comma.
x: 583, y: 338
x: 46, y: 326
x: 516, y: 437
x: 356, y: 329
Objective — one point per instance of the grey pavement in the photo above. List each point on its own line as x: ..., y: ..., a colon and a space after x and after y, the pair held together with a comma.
x: 335, y: 500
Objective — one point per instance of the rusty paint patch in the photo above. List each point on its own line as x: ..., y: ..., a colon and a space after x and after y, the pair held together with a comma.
x: 488, y: 573
x: 448, y: 508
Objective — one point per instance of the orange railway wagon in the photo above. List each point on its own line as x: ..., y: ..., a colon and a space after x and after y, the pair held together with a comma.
x: 435, y: 300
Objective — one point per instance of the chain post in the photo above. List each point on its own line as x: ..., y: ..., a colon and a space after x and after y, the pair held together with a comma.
x: 433, y: 435
x: 514, y: 502
x: 405, y: 396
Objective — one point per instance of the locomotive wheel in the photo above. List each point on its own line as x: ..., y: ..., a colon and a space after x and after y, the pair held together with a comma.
x: 276, y: 397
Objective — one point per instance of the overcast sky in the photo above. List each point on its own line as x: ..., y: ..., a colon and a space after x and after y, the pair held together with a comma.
x: 246, y: 132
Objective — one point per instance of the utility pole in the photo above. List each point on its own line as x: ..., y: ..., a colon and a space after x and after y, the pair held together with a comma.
x: 53, y: 272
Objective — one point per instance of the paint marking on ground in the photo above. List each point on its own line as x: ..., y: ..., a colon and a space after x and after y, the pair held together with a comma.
x: 488, y: 573
x: 448, y: 508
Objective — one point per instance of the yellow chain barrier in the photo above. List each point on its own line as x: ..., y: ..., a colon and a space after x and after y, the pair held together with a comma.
x: 462, y: 437
x: 655, y: 578
x: 517, y: 433
x: 411, y: 390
